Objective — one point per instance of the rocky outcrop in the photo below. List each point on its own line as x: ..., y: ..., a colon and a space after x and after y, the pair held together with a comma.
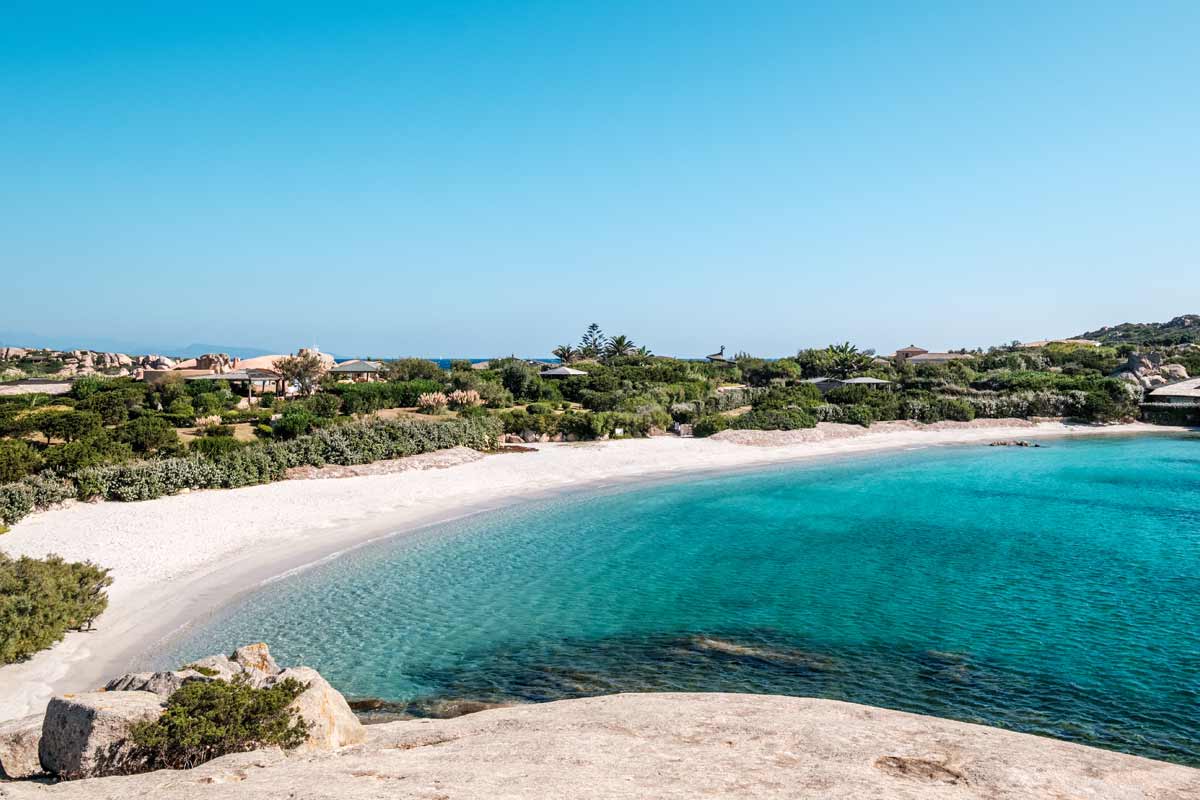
x: 669, y: 745
x: 331, y: 722
x: 255, y: 659
x: 86, y: 735
x: 1148, y: 371
x: 19, y: 740
x: 163, y: 684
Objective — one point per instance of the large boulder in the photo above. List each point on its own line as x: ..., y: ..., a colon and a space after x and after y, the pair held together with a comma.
x: 163, y: 684
x: 1175, y: 372
x: 19, y: 740
x: 87, y: 735
x: 331, y: 722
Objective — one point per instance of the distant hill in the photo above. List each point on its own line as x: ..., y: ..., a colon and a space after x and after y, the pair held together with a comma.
x: 1180, y: 330
x: 103, y: 344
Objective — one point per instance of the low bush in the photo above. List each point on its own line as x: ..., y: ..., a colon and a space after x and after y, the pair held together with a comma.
x: 710, y: 424
x: 214, y: 446
x: 32, y: 493
x: 42, y: 599
x: 17, y: 459
x: 204, y: 720
x: 773, y: 419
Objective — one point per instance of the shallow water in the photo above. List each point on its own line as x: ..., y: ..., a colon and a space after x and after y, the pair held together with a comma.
x: 1052, y: 590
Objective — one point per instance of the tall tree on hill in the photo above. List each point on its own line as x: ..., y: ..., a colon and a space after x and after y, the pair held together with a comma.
x: 593, y: 343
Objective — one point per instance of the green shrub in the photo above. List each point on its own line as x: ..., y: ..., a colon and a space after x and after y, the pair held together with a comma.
x: 710, y: 424
x: 296, y: 420
x: 204, y: 720
x: 538, y: 408
x: 31, y: 493
x: 860, y: 414
x: 90, y: 451
x: 266, y: 400
x: 773, y: 419
x: 150, y: 434
x: 113, y: 407
x: 42, y: 599
x: 263, y: 462
x: 324, y: 405
x: 213, y: 446
x: 17, y: 459
x: 414, y: 369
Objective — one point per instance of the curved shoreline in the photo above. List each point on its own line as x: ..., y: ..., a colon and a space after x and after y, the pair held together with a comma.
x: 179, y: 559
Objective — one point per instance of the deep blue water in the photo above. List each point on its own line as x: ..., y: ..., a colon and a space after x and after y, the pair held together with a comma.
x: 1052, y: 590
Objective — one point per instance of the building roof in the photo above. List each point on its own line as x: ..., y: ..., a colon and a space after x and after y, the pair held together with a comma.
x: 939, y: 357
x: 866, y: 380
x: 237, y: 375
x: 1187, y: 388
x: 563, y: 372
x: 820, y: 380
x: 358, y: 366
x: 912, y: 349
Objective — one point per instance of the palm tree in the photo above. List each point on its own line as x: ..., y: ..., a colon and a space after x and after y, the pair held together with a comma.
x: 565, y: 353
x: 845, y: 359
x: 619, y: 345
x: 644, y: 352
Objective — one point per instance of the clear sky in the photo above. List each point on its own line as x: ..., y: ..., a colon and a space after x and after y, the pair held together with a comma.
x: 475, y: 178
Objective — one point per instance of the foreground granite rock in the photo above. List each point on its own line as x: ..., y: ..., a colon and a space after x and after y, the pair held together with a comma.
x: 331, y: 722
x: 668, y: 745
x: 19, y: 740
x: 88, y: 734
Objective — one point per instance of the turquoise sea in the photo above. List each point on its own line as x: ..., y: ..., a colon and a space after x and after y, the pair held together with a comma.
x: 1052, y: 590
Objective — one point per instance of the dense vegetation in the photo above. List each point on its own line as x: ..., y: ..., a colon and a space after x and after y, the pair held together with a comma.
x: 1180, y: 330
x: 204, y: 720
x: 42, y: 599
x: 121, y: 439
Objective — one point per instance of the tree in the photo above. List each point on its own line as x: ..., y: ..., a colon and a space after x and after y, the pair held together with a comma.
x: 619, y: 346
x: 593, y: 342
x: 304, y: 369
x: 17, y: 459
x: 65, y: 425
x: 565, y: 353
x: 414, y: 369
x: 150, y: 435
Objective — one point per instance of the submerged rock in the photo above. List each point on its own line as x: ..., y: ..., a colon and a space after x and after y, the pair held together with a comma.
x: 19, y: 739
x: 87, y: 735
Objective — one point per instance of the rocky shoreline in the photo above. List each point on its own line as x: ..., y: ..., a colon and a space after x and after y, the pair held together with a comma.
x: 665, y: 746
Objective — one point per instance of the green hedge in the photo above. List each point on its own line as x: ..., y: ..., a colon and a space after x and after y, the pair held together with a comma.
x: 351, y: 443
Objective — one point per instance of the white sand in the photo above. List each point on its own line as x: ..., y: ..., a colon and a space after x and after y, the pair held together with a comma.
x: 176, y: 558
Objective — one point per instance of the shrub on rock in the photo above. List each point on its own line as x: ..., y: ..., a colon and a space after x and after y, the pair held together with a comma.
x: 204, y: 720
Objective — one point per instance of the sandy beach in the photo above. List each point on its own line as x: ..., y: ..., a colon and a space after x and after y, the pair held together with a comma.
x: 178, y: 558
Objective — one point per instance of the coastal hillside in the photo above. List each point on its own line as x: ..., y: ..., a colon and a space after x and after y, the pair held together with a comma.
x: 1184, y: 329
x: 666, y: 745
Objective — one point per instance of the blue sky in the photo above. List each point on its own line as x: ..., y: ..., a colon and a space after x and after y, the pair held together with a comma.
x: 476, y: 178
